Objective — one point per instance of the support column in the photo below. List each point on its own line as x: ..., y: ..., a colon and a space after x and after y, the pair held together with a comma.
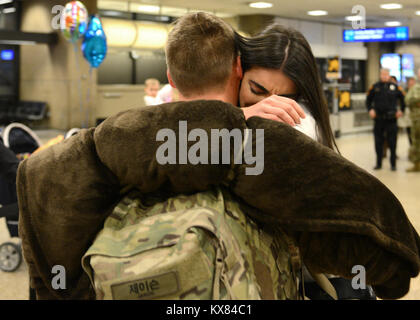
x: 373, y: 63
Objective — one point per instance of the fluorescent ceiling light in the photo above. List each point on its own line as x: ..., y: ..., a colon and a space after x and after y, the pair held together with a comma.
x: 9, y: 10
x: 148, y: 8
x: 391, y: 6
x: 5, y: 1
x: 112, y: 13
x: 17, y: 42
x: 317, y: 13
x: 173, y: 12
x: 163, y: 18
x: 354, y: 18
x: 113, y: 5
x: 260, y: 5
x: 392, y: 23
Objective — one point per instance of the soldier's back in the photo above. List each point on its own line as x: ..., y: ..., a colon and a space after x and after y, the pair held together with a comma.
x: 200, y: 246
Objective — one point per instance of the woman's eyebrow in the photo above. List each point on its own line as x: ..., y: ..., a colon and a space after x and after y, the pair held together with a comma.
x: 259, y: 86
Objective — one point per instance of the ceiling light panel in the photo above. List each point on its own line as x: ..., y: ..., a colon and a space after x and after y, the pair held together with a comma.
x: 317, y: 13
x: 391, y: 6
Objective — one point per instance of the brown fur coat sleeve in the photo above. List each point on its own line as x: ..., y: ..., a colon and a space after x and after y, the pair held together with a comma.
x: 339, y: 214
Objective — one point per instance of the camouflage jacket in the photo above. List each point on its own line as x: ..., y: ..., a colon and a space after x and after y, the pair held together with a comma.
x: 413, y: 96
x: 199, y: 246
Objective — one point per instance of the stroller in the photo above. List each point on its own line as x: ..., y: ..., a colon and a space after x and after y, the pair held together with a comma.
x: 10, y: 253
x: 22, y: 141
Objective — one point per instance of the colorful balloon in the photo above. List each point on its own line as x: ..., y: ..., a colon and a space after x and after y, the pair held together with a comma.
x: 74, y: 20
x: 94, y: 45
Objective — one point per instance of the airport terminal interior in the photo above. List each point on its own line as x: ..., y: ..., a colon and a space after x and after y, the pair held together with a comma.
x: 53, y: 83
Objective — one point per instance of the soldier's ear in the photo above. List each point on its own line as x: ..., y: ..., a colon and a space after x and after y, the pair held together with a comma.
x: 238, y: 68
x: 171, y: 82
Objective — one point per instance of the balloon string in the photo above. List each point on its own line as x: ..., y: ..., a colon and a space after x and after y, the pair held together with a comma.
x: 79, y: 81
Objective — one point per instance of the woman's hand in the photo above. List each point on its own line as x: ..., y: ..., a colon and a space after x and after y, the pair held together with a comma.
x: 276, y: 108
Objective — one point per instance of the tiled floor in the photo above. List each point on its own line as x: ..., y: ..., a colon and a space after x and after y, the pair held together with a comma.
x: 357, y: 148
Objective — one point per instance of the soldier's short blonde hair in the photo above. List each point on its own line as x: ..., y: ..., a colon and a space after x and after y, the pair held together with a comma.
x: 200, y: 53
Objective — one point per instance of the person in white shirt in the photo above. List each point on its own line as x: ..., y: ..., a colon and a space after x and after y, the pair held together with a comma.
x: 152, y: 88
x: 168, y: 94
x: 279, y: 63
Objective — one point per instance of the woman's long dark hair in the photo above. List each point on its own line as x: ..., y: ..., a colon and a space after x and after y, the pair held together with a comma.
x: 286, y: 49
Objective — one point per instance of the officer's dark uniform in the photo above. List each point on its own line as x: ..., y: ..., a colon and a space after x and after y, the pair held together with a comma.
x: 383, y: 98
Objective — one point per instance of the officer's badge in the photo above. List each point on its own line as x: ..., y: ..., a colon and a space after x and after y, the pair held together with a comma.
x: 392, y: 87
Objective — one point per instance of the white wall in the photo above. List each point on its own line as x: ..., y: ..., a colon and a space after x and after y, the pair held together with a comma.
x: 326, y: 39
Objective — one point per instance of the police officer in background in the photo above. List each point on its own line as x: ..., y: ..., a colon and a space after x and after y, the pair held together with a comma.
x: 382, y: 103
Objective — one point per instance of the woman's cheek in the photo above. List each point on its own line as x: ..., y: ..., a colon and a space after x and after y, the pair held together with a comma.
x: 247, y: 99
x: 242, y: 98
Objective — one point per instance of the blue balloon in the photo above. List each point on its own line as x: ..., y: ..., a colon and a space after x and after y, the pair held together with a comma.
x: 94, y: 46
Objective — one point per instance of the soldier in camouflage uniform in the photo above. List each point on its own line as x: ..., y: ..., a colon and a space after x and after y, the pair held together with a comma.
x: 412, y: 100
x: 200, y: 246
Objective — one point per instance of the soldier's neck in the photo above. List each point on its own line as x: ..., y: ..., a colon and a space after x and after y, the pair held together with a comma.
x: 221, y: 96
